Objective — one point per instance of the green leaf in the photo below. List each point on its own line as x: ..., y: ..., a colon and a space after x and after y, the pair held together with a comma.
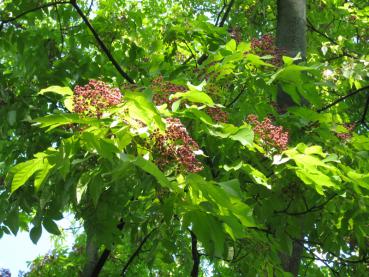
x: 51, y: 226
x: 244, y: 135
x: 56, y: 120
x: 231, y: 45
x: 64, y: 91
x: 35, y: 233
x: 194, y: 96
x: 23, y: 171
x: 142, y: 109
x: 149, y: 167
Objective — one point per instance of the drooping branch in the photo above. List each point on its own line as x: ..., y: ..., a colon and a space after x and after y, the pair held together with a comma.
x: 195, y: 255
x: 342, y: 99
x: 33, y: 10
x: 137, y: 251
x: 101, y: 43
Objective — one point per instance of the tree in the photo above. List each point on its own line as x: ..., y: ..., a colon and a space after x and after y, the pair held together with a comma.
x: 188, y: 136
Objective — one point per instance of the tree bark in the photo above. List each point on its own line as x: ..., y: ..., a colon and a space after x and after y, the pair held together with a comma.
x: 91, y: 256
x: 291, y: 39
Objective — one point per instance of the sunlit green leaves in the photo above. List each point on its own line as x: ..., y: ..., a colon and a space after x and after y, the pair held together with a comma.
x: 23, y: 171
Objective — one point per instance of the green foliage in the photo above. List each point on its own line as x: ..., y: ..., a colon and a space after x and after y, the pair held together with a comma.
x: 250, y: 202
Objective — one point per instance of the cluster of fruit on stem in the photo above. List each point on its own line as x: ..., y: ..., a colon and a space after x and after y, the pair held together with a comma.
x: 266, y: 46
x: 270, y: 135
x: 345, y: 136
x: 176, y: 146
x: 95, y: 97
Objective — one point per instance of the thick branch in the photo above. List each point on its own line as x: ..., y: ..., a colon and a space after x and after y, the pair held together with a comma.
x: 225, y: 16
x: 104, y: 256
x: 342, y: 99
x: 33, y: 10
x: 220, y: 13
x: 195, y: 255
x: 137, y: 252
x: 101, y: 43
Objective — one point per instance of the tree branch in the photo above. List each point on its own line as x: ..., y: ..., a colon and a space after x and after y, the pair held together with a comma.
x: 101, y: 43
x: 236, y: 98
x: 219, y: 14
x: 342, y: 99
x: 195, y: 255
x: 362, y: 120
x: 225, y: 16
x: 311, y: 27
x: 221, y: 24
x: 105, y: 255
x: 137, y: 251
x: 33, y: 10
x: 312, y: 209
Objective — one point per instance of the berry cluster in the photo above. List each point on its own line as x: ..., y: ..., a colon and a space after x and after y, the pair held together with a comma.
x: 176, y: 145
x: 266, y: 46
x: 345, y: 136
x: 271, y: 135
x: 164, y: 89
x: 217, y: 114
x: 93, y: 98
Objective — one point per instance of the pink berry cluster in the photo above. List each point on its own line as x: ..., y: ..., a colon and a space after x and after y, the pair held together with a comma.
x: 176, y: 145
x: 271, y: 135
x: 217, y: 114
x: 266, y: 46
x: 164, y: 89
x: 93, y: 98
x: 345, y: 136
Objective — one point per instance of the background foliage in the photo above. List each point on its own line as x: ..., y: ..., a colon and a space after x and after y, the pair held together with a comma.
x: 210, y: 64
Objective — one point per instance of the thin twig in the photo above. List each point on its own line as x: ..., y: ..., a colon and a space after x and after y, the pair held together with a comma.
x: 342, y: 99
x: 137, y: 251
x: 60, y: 29
x: 221, y: 24
x: 33, y: 10
x: 312, y: 209
x: 101, y: 43
x: 236, y: 98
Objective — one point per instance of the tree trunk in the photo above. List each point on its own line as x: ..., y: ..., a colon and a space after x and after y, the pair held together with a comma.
x: 291, y: 39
